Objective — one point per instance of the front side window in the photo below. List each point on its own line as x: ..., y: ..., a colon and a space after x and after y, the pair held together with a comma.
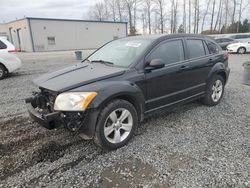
x: 195, y: 48
x: 121, y: 52
x: 218, y: 40
x: 246, y: 36
x: 227, y: 40
x: 2, y: 45
x: 169, y: 52
x: 239, y: 36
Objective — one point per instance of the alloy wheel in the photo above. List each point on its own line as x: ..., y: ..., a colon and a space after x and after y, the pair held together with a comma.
x: 241, y: 51
x: 118, y: 125
x: 1, y: 73
x: 217, y: 90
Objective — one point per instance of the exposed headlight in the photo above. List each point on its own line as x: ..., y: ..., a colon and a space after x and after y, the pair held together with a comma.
x: 74, y: 101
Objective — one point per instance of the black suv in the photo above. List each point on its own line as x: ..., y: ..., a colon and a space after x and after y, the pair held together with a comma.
x: 109, y: 93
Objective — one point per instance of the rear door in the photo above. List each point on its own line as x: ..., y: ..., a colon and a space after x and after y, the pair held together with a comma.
x: 201, y: 62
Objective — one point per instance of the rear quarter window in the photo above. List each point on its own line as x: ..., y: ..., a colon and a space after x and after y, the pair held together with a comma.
x: 195, y: 48
x: 2, y: 45
x: 212, y: 47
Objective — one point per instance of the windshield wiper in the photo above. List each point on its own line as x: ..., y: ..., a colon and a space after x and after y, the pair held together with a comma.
x: 102, y: 61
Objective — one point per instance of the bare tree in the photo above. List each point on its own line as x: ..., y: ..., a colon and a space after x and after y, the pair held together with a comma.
x: 226, y: 12
x: 241, y: 10
x: 129, y: 6
x: 120, y: 7
x: 135, y: 12
x: 189, y: 16
x: 98, y: 12
x: 160, y: 8
x: 220, y: 19
x: 195, y: 15
x: 148, y: 7
x: 112, y: 7
x: 184, y: 19
x: 234, y: 10
x: 173, y: 19
x: 218, y: 15
x: 212, y: 17
x: 205, y: 14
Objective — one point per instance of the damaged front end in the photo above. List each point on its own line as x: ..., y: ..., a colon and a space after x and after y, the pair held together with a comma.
x: 41, y: 109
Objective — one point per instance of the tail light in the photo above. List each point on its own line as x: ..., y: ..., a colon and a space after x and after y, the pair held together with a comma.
x: 12, y: 51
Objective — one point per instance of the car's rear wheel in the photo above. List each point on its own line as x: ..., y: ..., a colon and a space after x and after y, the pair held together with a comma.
x: 215, y: 91
x: 116, y: 124
x: 241, y: 50
x: 2, y: 72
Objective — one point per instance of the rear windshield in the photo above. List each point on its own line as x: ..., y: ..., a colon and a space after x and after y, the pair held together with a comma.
x: 2, y: 45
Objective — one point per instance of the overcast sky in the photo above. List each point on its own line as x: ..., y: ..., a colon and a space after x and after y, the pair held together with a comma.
x: 72, y: 9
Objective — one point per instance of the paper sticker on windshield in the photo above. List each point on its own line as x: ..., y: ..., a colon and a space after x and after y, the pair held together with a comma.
x: 133, y: 44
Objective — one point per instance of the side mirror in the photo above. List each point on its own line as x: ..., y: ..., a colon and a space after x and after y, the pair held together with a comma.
x: 155, y: 64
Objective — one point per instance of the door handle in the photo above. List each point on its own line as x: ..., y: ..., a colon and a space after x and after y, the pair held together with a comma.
x: 184, y: 67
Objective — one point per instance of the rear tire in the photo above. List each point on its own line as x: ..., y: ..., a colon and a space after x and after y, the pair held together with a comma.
x: 2, y: 72
x: 241, y: 50
x: 215, y: 91
x: 116, y: 124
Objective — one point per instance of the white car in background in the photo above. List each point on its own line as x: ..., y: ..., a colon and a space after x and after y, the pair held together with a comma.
x: 240, y: 47
x: 9, y: 62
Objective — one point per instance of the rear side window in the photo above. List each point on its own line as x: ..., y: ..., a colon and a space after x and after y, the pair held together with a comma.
x: 2, y: 45
x: 212, y: 47
x: 227, y: 40
x: 245, y: 36
x: 195, y: 48
x: 242, y: 36
x: 169, y: 52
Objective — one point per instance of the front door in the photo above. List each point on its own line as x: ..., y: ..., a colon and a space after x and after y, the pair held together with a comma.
x: 167, y: 85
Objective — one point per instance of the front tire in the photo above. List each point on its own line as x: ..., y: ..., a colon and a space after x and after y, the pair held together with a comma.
x: 116, y: 124
x: 2, y: 72
x: 215, y: 91
x: 241, y: 50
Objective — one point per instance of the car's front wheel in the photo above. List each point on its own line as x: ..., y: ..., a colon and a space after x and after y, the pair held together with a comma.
x: 2, y: 72
x: 215, y: 91
x: 241, y: 50
x: 116, y: 124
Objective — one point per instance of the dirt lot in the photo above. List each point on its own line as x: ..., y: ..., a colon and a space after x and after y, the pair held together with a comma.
x: 190, y: 146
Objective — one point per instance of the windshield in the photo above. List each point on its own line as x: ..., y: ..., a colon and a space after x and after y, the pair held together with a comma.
x: 122, y: 52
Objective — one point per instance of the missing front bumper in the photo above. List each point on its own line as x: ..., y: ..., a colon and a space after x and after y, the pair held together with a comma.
x: 49, y: 121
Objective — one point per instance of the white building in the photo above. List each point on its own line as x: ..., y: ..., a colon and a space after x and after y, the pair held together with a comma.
x: 43, y: 34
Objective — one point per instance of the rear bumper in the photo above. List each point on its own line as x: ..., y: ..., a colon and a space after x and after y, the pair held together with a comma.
x: 49, y: 121
x: 13, y: 65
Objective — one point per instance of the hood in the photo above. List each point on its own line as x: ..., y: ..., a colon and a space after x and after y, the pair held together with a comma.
x: 76, y: 76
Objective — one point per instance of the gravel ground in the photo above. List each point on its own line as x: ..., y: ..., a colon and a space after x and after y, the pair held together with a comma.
x: 189, y: 146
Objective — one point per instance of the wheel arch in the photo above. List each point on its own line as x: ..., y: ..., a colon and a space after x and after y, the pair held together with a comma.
x: 133, y: 99
x: 218, y: 69
x: 241, y: 47
x: 4, y: 66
